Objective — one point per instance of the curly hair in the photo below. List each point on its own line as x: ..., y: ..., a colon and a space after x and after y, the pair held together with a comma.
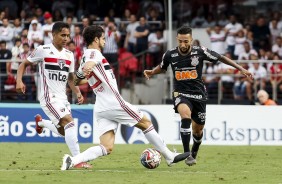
x: 91, y: 32
x: 184, y: 30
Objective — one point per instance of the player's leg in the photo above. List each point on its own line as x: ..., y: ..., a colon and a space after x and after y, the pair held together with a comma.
x: 199, y: 118
x: 185, y: 128
x: 105, y: 127
x: 154, y: 138
x: 44, y: 123
x: 197, y: 138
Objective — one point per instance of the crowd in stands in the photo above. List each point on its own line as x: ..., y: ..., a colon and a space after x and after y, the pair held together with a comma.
x: 135, y: 41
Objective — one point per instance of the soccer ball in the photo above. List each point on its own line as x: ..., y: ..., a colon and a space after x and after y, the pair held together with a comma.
x: 150, y: 158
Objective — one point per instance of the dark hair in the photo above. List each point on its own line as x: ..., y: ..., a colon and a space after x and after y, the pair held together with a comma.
x: 3, y: 42
x: 25, y: 44
x: 71, y: 42
x: 58, y: 26
x: 184, y: 30
x: 91, y: 32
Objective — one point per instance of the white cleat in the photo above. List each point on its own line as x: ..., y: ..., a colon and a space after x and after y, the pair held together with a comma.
x: 67, y: 163
x: 177, y: 157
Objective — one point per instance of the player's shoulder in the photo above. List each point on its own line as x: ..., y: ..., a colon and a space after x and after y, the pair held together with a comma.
x: 68, y: 51
x: 172, y: 53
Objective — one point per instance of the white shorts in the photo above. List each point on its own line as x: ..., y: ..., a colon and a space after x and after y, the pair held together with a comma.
x: 56, y: 109
x: 108, y: 120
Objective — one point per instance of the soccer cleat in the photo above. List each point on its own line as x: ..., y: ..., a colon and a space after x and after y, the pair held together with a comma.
x: 38, y: 128
x: 177, y: 158
x: 67, y: 163
x: 82, y: 165
x: 190, y: 160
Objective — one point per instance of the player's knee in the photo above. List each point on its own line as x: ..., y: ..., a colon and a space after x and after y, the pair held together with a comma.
x: 65, y: 120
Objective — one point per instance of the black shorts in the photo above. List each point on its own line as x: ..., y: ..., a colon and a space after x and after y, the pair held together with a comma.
x: 198, y: 109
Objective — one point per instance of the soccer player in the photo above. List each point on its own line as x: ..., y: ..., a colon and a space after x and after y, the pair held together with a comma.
x: 56, y: 67
x: 189, y: 93
x: 110, y: 108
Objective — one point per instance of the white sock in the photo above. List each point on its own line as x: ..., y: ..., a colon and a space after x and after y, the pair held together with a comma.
x: 90, y: 154
x: 48, y: 124
x: 71, y: 138
x: 155, y: 139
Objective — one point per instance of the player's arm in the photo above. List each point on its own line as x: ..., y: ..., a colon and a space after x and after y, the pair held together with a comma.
x: 157, y: 70
x: 74, y: 88
x: 20, y: 87
x: 230, y: 62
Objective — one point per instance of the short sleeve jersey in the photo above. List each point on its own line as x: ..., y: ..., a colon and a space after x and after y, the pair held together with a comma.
x: 187, y: 70
x: 54, y: 68
x: 102, y: 81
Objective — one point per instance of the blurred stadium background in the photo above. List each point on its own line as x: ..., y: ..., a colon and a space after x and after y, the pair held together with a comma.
x: 234, y: 116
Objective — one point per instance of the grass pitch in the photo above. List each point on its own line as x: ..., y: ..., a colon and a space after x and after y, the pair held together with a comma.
x: 40, y: 163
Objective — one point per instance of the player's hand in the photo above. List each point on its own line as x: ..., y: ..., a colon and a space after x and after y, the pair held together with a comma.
x: 247, y: 73
x: 80, y: 98
x: 20, y: 87
x: 148, y: 74
x: 86, y: 71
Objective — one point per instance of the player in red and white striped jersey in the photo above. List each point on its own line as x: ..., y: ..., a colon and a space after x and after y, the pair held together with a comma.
x: 56, y: 67
x: 110, y: 108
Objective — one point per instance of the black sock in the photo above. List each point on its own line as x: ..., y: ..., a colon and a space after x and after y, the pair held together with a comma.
x: 196, y: 145
x: 185, y: 133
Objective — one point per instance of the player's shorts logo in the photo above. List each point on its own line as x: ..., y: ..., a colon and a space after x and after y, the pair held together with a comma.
x: 61, y: 63
x: 132, y: 135
x: 202, y: 116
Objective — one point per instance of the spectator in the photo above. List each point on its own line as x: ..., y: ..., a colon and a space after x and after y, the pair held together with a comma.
x: 24, y: 34
x: 199, y: 21
x: 276, y: 74
x: 47, y: 28
x: 260, y: 77
x: 61, y: 6
x: 240, y: 39
x: 210, y: 79
x: 274, y: 30
x: 6, y: 33
x: 141, y: 35
x: 16, y: 50
x: 217, y: 38
x: 69, y: 21
x: 264, y: 99
x: 78, y: 39
x: 227, y: 79
x: 17, y: 28
x: 155, y: 47
x: 5, y: 54
x: 85, y: 22
x: 232, y: 28
x: 130, y: 40
x: 261, y: 34
x: 110, y: 51
x: 277, y: 47
x: 247, y: 52
x: 34, y: 36
x: 39, y: 15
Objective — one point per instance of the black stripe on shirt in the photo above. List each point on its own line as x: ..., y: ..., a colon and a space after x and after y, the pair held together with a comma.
x: 55, y: 67
x: 107, y: 67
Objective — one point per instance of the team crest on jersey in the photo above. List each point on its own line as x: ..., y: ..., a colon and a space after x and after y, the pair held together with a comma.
x: 195, y: 61
x: 61, y: 63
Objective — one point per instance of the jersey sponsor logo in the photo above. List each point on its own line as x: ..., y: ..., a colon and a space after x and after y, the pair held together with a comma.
x: 61, y: 63
x: 191, y: 96
x: 195, y: 61
x: 46, y: 47
x: 174, y: 55
x: 187, y: 74
x: 58, y: 76
x: 193, y: 53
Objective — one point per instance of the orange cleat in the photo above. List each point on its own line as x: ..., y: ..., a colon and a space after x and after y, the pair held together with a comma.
x: 38, y: 128
x: 83, y: 165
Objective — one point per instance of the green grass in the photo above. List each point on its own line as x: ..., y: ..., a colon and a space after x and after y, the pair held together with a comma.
x: 40, y: 163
